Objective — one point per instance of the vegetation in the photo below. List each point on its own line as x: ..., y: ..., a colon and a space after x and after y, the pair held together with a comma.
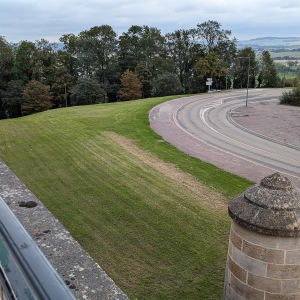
x: 37, y: 98
x: 131, y: 87
x: 268, y: 75
x: 87, y: 91
x: 101, y: 171
x: 166, y: 84
x: 99, y: 55
x: 291, y: 97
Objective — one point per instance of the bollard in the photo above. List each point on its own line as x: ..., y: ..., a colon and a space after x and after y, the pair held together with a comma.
x: 263, y: 260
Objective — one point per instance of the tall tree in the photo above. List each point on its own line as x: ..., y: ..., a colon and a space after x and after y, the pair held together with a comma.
x: 13, y: 98
x: 211, y: 66
x: 214, y: 39
x: 131, y: 87
x: 37, y: 98
x: 6, y: 69
x: 142, y: 44
x: 69, y: 53
x: 43, y: 62
x: 25, y: 53
x: 268, y: 76
x: 245, y: 63
x: 99, y: 48
x: 6, y: 62
x: 184, y: 51
x: 144, y: 76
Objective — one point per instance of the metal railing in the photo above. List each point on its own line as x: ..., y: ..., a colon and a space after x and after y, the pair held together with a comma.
x: 25, y: 273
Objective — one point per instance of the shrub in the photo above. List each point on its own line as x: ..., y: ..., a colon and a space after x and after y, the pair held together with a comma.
x: 87, y: 91
x: 291, y: 97
x: 166, y: 84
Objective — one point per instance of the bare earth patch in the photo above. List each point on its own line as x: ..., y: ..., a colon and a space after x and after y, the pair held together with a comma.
x: 216, y: 200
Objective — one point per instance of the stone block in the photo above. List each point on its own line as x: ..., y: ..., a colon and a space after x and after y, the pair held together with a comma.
x: 288, y: 243
x: 263, y: 253
x: 236, y: 239
x: 290, y: 286
x: 236, y: 270
x: 248, y: 263
x: 292, y: 257
x: 246, y: 291
x: 270, y: 296
x: 264, y: 284
x: 283, y: 271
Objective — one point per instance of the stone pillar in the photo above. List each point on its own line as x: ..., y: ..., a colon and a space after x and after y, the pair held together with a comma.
x: 263, y: 260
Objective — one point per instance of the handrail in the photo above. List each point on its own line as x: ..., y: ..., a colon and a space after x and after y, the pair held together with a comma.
x: 25, y: 273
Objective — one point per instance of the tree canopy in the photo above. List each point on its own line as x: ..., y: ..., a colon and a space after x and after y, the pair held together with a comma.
x: 97, y: 63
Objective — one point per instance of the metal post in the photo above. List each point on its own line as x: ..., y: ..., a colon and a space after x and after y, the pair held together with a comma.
x: 248, y: 76
x: 248, y: 80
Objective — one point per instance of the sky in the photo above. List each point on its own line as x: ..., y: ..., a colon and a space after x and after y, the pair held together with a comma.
x: 36, y: 19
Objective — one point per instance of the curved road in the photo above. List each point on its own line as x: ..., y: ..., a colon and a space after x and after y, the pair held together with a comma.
x: 202, y: 126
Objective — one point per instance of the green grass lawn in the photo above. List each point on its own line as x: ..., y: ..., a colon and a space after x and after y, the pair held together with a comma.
x: 157, y: 238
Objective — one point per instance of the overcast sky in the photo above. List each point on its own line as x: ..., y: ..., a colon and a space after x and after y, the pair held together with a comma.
x: 35, y: 19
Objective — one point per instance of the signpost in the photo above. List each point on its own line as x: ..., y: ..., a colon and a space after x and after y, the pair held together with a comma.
x: 209, y: 83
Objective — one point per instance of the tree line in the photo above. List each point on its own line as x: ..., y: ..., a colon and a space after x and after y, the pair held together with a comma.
x: 98, y: 66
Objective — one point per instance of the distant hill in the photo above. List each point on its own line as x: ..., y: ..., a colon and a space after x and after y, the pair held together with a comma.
x: 271, y: 43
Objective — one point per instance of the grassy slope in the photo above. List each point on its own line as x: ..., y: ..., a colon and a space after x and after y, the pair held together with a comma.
x: 157, y: 241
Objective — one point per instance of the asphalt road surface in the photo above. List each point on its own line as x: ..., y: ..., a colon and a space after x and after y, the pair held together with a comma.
x: 203, y: 126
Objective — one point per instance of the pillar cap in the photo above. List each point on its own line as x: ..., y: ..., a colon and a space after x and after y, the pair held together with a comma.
x: 272, y: 207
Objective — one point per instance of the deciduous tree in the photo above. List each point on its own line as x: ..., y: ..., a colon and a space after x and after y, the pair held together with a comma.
x: 6, y: 69
x: 144, y: 76
x: 241, y: 67
x: 166, y: 84
x: 184, y: 52
x: 37, y: 98
x: 25, y: 53
x: 131, y: 87
x: 13, y: 98
x: 268, y: 76
x: 87, y: 91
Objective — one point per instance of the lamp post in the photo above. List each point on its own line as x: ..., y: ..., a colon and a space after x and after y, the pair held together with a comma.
x: 248, y: 75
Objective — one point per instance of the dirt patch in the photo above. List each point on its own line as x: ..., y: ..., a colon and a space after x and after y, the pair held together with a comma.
x: 207, y: 196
